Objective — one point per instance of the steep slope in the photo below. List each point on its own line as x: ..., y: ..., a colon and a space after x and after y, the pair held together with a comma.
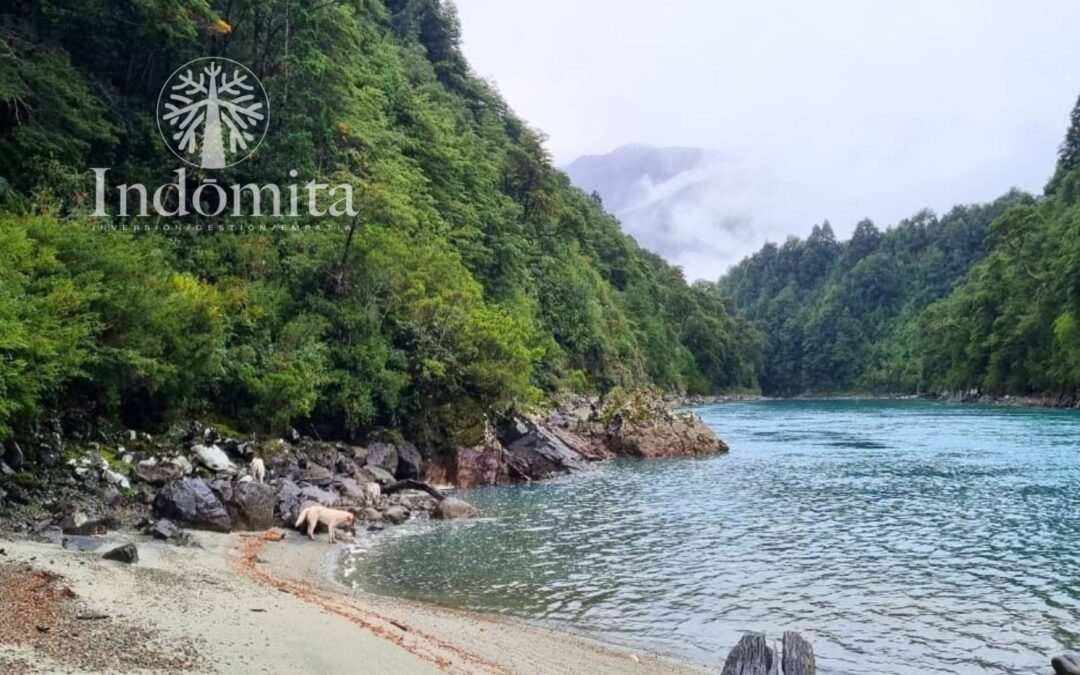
x: 474, y: 277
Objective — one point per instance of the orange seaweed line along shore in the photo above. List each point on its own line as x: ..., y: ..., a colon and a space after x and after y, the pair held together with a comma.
x: 421, y: 644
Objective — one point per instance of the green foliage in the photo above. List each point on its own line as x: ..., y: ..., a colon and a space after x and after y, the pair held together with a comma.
x: 474, y: 278
x: 841, y: 317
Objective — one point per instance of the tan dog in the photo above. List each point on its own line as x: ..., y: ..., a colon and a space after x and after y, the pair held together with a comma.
x: 332, y: 518
x: 258, y: 470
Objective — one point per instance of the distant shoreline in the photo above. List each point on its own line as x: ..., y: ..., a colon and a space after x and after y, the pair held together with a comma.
x: 1008, y: 400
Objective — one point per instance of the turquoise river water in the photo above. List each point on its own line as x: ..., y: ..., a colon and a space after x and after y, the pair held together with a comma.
x: 899, y: 537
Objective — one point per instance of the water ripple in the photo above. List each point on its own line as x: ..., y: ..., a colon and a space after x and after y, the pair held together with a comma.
x: 900, y: 537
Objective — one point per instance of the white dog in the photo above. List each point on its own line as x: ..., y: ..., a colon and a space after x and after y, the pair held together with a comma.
x: 372, y: 492
x: 332, y: 518
x: 258, y: 470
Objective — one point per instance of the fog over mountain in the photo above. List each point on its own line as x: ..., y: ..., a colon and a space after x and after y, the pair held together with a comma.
x: 693, y: 206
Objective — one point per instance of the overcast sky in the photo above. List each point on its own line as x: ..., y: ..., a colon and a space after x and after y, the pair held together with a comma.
x: 833, y: 109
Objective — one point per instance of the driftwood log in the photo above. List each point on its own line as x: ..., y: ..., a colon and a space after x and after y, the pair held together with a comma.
x: 410, y: 484
x: 753, y: 656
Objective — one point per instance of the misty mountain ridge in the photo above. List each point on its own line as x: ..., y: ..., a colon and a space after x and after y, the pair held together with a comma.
x: 690, y: 205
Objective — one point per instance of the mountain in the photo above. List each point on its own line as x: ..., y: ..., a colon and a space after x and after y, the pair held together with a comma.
x: 692, y: 206
x: 472, y: 278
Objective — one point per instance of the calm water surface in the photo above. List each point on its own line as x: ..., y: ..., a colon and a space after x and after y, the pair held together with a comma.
x: 899, y: 537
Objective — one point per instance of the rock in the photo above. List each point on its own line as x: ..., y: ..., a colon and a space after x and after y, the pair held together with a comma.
x: 159, y: 472
x: 191, y: 501
x: 1066, y: 664
x: 410, y: 463
x: 288, y: 501
x: 116, y: 479
x: 319, y: 496
x: 384, y: 456
x: 111, y: 496
x: 349, y: 488
x: 14, y: 456
x: 79, y: 523
x: 360, y: 454
x: 128, y: 553
x: 371, y: 515
x: 454, y: 509
x: 346, y: 467
x: 251, y: 506
x: 374, y: 474
x: 539, y: 453
x: 468, y: 467
x: 640, y: 425
x: 316, y: 475
x: 163, y: 528
x: 213, y: 458
x: 396, y: 515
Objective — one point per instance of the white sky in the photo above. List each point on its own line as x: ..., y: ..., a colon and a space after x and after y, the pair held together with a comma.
x: 838, y: 109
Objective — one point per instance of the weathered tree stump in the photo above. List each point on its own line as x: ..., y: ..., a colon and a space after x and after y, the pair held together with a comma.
x: 753, y: 656
x: 798, y: 655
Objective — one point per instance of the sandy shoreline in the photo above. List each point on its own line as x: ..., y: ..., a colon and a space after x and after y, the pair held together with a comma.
x: 253, y: 604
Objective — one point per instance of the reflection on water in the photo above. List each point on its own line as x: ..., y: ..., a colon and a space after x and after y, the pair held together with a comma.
x: 899, y: 537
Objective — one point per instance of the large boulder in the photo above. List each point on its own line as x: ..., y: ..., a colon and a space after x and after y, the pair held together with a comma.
x: 454, y: 509
x: 316, y: 475
x: 288, y: 500
x: 384, y: 456
x: 161, y: 471
x: 250, y: 505
x: 410, y: 464
x: 638, y: 424
x: 190, y: 501
x: 213, y: 458
x: 539, y: 453
x: 374, y: 474
x: 319, y: 496
x: 396, y: 515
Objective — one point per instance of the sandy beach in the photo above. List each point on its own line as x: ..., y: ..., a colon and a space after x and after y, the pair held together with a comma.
x: 251, y: 603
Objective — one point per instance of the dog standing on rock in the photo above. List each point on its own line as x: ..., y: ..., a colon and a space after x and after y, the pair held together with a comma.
x: 332, y: 518
x: 258, y: 470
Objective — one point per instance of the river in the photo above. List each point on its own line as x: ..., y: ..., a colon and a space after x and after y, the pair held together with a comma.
x: 899, y: 537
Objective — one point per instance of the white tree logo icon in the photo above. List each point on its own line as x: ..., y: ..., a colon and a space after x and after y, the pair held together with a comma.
x: 213, y: 112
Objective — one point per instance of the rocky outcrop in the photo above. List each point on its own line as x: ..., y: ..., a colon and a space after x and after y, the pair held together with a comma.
x: 539, y: 453
x: 191, y: 502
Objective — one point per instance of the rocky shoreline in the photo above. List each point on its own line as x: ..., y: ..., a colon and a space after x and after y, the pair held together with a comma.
x: 199, y: 476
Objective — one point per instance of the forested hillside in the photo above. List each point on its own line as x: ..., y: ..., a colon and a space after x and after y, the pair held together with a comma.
x: 982, y: 299
x: 474, y: 277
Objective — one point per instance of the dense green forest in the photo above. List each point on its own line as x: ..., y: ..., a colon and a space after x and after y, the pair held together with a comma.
x: 984, y: 299
x: 474, y: 278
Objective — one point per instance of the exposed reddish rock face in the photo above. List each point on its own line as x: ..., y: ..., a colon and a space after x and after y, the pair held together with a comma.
x: 468, y: 467
x: 568, y: 438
